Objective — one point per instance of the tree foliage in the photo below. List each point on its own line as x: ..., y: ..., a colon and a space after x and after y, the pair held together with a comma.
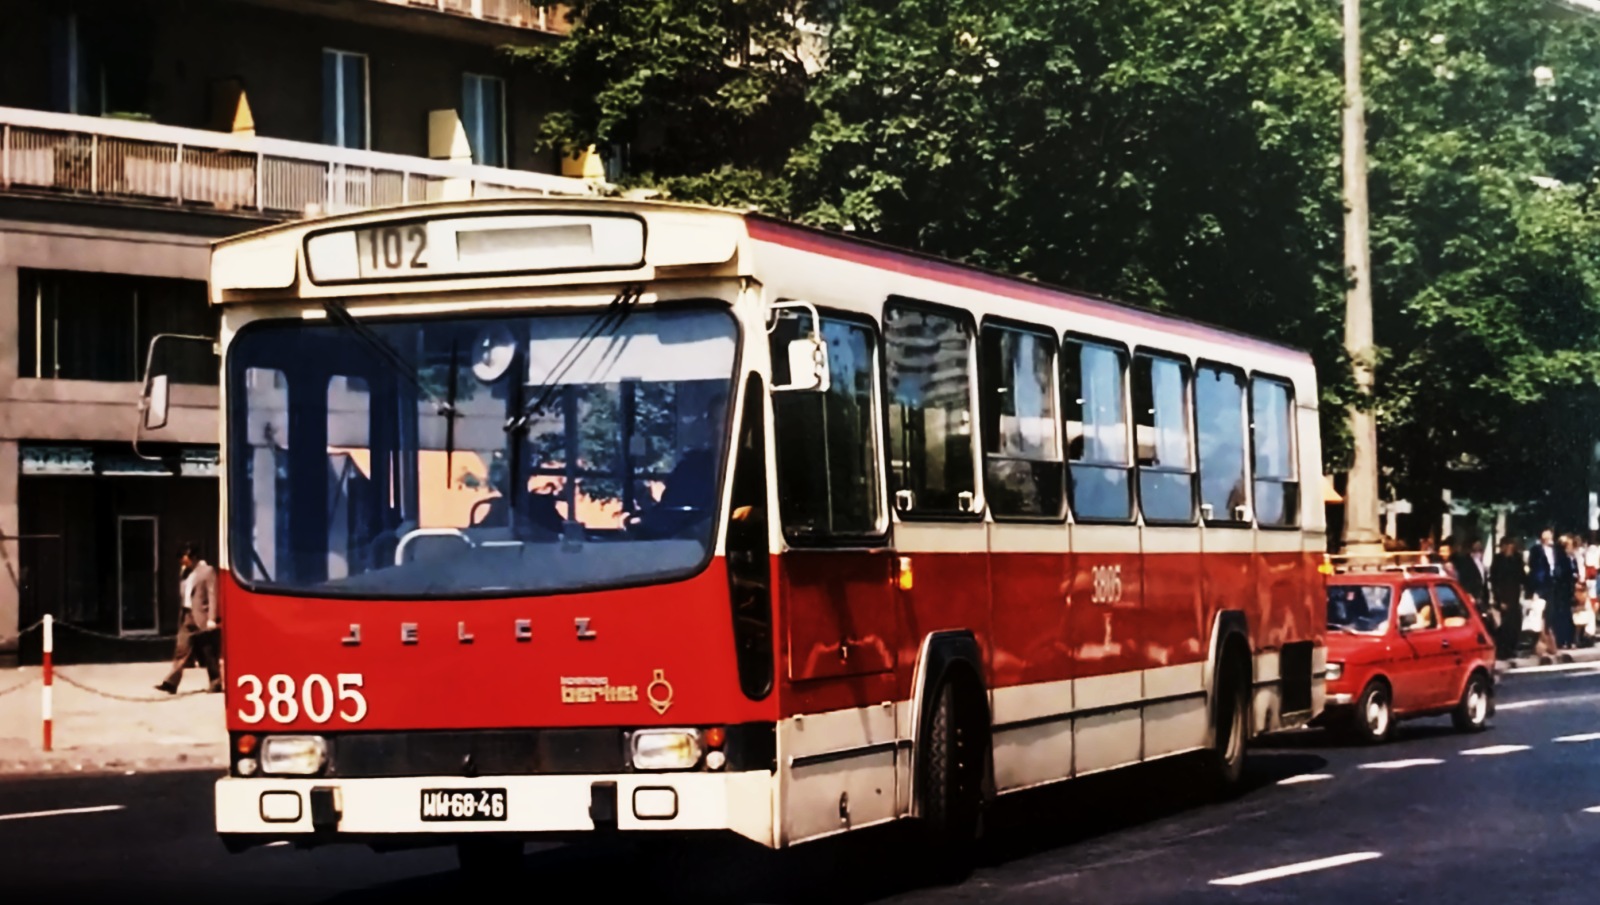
x: 1182, y: 155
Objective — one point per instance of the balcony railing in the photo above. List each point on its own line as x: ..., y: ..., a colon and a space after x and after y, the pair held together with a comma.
x: 119, y: 160
x: 517, y: 13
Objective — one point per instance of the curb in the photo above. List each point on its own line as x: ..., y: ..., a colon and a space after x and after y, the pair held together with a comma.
x: 69, y: 763
x: 1581, y: 655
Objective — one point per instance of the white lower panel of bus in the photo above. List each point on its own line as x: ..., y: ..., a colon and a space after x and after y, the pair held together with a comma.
x: 740, y: 802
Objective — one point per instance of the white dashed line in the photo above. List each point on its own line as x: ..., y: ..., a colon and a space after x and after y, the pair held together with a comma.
x: 63, y: 811
x: 1586, y: 737
x: 1519, y: 705
x: 1495, y: 749
x: 1292, y: 869
x: 1304, y: 777
x: 1595, y: 810
x: 1399, y: 764
x: 280, y: 842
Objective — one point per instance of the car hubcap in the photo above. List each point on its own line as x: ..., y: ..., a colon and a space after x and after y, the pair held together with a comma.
x: 1377, y: 715
x: 1478, y: 705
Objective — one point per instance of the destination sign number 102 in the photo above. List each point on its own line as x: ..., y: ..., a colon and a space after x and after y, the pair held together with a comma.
x: 392, y: 250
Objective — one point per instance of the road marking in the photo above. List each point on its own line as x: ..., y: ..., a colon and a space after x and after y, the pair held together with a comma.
x: 1495, y: 749
x: 1305, y: 777
x: 1292, y: 869
x: 1586, y: 737
x: 1399, y: 764
x: 1519, y: 705
x: 278, y: 843
x: 31, y: 814
x: 1595, y: 810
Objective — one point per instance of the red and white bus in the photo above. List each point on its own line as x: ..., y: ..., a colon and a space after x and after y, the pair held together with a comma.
x: 550, y: 517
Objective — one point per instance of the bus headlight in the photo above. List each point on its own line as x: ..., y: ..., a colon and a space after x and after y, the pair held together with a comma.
x: 1335, y: 671
x: 295, y: 755
x: 666, y: 749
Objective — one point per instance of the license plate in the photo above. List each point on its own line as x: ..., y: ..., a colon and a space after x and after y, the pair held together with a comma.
x: 463, y: 804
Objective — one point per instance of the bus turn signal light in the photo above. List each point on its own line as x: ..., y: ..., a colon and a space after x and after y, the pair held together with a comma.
x: 715, y: 736
x: 247, y: 744
x: 905, y: 573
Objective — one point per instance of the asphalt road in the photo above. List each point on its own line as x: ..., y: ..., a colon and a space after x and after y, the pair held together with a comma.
x: 1433, y: 816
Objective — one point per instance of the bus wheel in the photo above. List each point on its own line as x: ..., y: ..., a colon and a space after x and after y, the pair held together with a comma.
x: 1225, y: 760
x: 952, y: 784
x: 489, y: 860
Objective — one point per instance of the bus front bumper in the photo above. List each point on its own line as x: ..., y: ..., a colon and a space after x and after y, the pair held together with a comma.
x: 326, y: 810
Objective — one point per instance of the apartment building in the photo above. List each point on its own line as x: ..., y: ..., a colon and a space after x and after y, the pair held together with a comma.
x: 133, y: 133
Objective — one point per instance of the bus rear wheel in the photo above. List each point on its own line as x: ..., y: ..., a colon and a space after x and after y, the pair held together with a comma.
x: 1224, y: 762
x: 952, y: 780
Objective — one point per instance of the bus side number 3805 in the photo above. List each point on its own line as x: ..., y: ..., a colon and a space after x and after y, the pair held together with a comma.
x: 319, y: 698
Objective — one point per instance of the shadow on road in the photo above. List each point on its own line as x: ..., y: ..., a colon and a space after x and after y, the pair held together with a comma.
x: 859, y: 867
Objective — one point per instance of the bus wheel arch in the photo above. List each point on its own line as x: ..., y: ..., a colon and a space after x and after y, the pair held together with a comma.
x: 1230, y: 700
x: 952, y: 776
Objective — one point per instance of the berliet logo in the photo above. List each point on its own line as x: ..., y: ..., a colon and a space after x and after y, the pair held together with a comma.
x: 596, y: 690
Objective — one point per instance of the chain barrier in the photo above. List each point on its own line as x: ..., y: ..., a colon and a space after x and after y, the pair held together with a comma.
x: 18, y: 687
x: 127, y: 698
x: 18, y: 636
x: 110, y: 637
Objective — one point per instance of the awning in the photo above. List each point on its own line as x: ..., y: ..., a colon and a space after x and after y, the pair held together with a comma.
x: 1330, y: 495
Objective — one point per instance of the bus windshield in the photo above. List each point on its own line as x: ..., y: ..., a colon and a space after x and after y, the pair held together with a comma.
x: 389, y: 460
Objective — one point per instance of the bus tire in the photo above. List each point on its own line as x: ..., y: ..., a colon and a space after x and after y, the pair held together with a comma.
x: 490, y: 860
x: 1224, y: 761
x: 952, y: 784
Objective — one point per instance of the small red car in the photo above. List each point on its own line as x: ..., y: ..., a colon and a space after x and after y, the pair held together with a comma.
x: 1402, y: 645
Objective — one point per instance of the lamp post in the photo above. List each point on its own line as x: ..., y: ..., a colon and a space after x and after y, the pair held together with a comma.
x: 1361, y: 534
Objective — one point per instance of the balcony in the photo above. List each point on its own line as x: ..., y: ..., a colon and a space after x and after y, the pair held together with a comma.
x: 549, y: 17
x: 65, y: 156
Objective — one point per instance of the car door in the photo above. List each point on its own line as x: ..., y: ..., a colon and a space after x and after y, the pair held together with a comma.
x: 1417, y: 671
x: 1462, y: 638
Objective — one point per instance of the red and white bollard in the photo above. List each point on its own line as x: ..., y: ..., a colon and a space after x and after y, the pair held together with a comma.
x: 49, y: 649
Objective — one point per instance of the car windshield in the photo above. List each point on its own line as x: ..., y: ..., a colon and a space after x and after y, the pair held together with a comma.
x: 1359, y: 608
x: 388, y: 459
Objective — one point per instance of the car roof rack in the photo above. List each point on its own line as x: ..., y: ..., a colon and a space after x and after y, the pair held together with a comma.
x: 1404, y: 562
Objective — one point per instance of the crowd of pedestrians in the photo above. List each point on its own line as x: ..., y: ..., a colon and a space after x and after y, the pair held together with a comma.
x: 1557, y: 575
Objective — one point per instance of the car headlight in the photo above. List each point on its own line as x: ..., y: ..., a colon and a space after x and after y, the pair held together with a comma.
x: 666, y: 749
x: 296, y: 755
x: 1335, y: 671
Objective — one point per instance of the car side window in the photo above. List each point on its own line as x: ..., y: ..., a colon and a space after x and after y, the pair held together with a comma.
x: 1452, y: 609
x: 1418, y: 600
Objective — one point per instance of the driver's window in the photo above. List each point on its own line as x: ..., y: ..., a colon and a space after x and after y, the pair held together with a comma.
x: 1417, y: 600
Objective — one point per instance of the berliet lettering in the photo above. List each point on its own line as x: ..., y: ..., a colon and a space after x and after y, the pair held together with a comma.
x: 594, y: 690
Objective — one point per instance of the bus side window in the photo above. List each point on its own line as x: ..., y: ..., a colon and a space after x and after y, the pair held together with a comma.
x: 1273, y: 463
x: 1094, y: 405
x: 827, y: 443
x: 932, y: 467
x: 1163, y: 438
x: 1023, y: 472
x: 1219, y: 413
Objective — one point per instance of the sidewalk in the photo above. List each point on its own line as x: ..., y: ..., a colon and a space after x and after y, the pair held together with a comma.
x: 110, y: 718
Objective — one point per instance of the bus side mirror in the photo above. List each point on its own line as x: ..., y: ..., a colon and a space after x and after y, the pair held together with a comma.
x: 799, y: 362
x: 157, y: 397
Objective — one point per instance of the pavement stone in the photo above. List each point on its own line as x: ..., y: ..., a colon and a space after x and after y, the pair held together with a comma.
x: 110, y: 718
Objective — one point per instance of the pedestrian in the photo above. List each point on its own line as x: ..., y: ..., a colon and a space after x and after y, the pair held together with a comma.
x: 197, y: 622
x: 1464, y: 569
x: 1507, y: 575
x: 1551, y: 579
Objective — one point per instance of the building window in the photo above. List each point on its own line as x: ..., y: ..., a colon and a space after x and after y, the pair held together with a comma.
x: 827, y: 443
x: 344, y: 99
x: 1219, y: 411
x: 94, y: 326
x: 1163, y: 438
x: 931, y: 457
x: 1272, y: 423
x: 1023, y: 474
x: 1094, y: 400
x: 483, y: 113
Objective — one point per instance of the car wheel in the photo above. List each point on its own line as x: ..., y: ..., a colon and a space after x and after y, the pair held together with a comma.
x: 1373, y: 720
x: 1477, y: 702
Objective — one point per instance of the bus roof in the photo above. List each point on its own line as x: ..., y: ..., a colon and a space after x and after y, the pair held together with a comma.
x: 767, y: 226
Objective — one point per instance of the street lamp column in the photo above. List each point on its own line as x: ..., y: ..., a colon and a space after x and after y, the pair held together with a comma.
x: 1361, y: 534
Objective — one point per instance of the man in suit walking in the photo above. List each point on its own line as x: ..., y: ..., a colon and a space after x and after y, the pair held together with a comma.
x: 197, y: 622
x: 1551, y: 576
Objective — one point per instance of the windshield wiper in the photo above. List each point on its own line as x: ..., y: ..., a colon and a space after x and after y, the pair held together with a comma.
x: 610, y: 319
x: 389, y: 354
